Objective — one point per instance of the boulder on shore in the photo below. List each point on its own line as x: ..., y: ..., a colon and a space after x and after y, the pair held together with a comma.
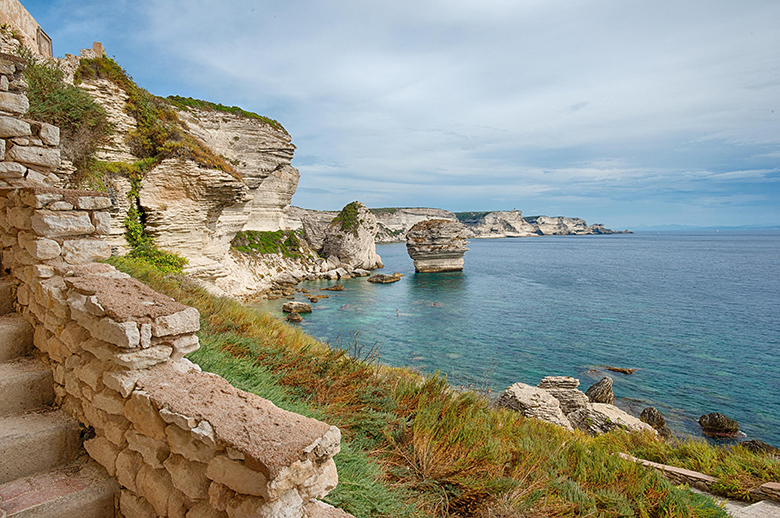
x: 296, y: 307
x: 570, y: 399
x: 437, y: 245
x: 294, y: 317
x: 601, y: 391
x: 533, y: 402
x: 718, y: 425
x: 599, y: 418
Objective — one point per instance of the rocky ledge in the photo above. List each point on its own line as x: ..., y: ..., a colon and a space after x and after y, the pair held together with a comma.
x: 436, y: 245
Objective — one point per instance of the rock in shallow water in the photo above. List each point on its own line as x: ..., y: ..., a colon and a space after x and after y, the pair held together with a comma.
x: 296, y: 307
x: 718, y: 425
x: 601, y: 392
x: 437, y: 245
x: 653, y: 417
x: 384, y: 278
x: 294, y: 317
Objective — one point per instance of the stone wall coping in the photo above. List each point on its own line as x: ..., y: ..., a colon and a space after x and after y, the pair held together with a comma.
x: 125, y: 299
x: 271, y: 437
x: 772, y: 486
x: 687, y: 473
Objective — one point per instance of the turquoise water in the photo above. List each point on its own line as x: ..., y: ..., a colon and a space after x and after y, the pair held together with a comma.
x: 698, y: 314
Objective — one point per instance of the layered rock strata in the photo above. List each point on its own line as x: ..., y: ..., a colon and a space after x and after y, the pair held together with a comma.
x: 436, y: 245
x: 394, y: 223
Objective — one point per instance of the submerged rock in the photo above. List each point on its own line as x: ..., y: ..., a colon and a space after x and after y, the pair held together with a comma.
x: 718, y: 425
x: 296, y: 307
x: 601, y: 392
x: 533, y: 402
x: 621, y: 370
x: 599, y: 418
x: 385, y: 278
x: 437, y: 245
x: 653, y: 417
x: 335, y: 287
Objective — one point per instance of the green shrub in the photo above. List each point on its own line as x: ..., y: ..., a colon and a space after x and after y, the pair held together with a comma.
x: 84, y: 125
x: 285, y: 242
x: 348, y: 218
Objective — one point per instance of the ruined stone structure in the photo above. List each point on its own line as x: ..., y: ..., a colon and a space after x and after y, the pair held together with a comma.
x: 162, y: 437
x: 19, y: 26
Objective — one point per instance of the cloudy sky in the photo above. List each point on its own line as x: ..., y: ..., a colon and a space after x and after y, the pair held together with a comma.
x: 621, y: 112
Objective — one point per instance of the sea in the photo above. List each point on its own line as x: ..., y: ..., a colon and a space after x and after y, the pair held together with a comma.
x: 697, y: 314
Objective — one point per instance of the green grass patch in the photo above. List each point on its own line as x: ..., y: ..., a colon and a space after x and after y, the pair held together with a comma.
x: 187, y: 103
x: 288, y: 243
x: 415, y: 447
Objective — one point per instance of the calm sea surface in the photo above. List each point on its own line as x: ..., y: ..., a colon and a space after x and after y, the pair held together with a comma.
x: 698, y: 314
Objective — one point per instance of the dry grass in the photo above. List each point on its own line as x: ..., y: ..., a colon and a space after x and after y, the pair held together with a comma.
x: 449, y: 453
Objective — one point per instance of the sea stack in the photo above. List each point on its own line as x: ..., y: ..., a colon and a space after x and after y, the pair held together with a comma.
x: 437, y: 245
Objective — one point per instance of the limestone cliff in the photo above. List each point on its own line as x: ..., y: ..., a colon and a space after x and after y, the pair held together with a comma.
x: 498, y: 224
x: 436, y: 245
x: 394, y: 223
x: 350, y: 239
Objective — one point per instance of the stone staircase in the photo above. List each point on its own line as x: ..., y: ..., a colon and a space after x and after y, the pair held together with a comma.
x: 44, y: 471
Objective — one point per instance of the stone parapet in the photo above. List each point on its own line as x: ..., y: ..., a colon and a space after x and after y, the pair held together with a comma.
x: 180, y: 442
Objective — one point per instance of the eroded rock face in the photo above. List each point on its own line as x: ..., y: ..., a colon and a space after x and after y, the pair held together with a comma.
x: 601, y: 391
x: 194, y: 212
x: 260, y: 152
x: 501, y: 223
x: 533, y: 402
x: 349, y: 240
x: 436, y: 245
x: 599, y: 418
x: 653, y: 417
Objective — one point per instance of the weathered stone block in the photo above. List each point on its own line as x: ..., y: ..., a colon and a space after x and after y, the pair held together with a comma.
x: 103, y: 452
x: 14, y: 103
x: 50, y: 135
x: 205, y: 510
x: 288, y: 506
x: 154, y: 452
x: 146, y: 419
x: 128, y: 463
x: 59, y: 205
x: 184, y: 444
x: 43, y: 249
x: 143, y: 358
x: 13, y: 127
x: 322, y: 482
x: 115, y: 429
x: 20, y: 217
x: 123, y: 381
x: 155, y: 485
x: 102, y: 222
x: 82, y: 251
x: 188, y: 477
x: 61, y: 224
x: 133, y: 506
x: 237, y: 476
x: 186, y: 321
x: 43, y: 158
x: 109, y: 401
x: 93, y: 202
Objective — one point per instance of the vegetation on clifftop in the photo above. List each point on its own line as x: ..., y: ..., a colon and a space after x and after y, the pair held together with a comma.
x: 160, y: 133
x: 415, y: 447
x: 349, y: 217
x: 186, y: 103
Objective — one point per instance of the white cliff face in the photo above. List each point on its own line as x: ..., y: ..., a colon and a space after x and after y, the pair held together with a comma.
x: 260, y: 152
x: 350, y: 239
x: 500, y: 224
x: 393, y: 224
x: 113, y: 99
x: 194, y: 212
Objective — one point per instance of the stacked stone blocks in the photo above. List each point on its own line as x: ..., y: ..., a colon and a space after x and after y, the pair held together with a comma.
x: 29, y: 150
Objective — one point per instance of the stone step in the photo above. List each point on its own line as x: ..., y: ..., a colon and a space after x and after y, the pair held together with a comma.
x: 36, y: 442
x: 6, y: 301
x: 763, y: 509
x: 82, y: 489
x: 15, y: 337
x: 25, y: 384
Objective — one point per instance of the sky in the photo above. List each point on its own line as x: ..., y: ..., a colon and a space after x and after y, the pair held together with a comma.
x: 632, y: 114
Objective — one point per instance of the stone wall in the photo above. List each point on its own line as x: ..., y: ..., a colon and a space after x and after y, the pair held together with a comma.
x: 180, y: 442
